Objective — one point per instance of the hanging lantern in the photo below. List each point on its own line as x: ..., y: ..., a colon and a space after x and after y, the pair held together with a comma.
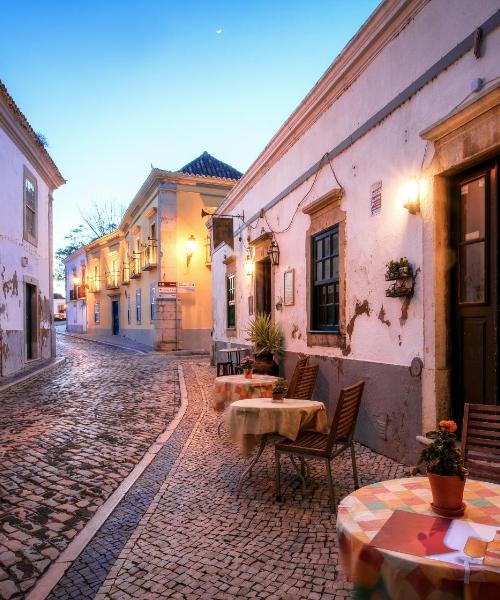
x: 274, y: 253
x: 249, y: 264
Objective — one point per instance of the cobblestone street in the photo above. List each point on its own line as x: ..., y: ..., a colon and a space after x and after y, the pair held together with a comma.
x: 68, y: 438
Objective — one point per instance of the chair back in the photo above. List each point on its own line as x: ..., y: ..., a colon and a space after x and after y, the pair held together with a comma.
x: 346, y: 414
x: 481, y: 441
x: 306, y: 382
x: 301, y: 362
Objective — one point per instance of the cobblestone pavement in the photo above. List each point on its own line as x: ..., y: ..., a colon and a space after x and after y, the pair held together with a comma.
x: 68, y: 439
x: 198, y: 539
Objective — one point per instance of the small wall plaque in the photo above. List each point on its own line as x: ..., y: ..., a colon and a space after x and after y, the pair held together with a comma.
x: 289, y: 287
x: 376, y: 198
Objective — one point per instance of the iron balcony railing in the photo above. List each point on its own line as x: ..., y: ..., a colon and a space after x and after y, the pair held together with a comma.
x: 94, y: 284
x: 150, y: 255
x: 81, y: 291
x: 112, y: 280
x: 135, y: 265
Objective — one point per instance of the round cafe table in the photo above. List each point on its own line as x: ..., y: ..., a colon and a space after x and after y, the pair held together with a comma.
x: 230, y: 388
x: 384, y: 573
x: 255, y: 420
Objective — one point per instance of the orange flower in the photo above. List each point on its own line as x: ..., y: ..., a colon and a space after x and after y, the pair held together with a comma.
x: 450, y: 426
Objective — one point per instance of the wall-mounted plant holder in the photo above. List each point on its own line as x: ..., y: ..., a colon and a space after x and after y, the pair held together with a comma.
x: 400, y: 273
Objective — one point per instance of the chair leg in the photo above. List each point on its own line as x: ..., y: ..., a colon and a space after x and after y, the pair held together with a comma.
x: 354, y: 467
x: 330, y: 484
x: 277, y: 469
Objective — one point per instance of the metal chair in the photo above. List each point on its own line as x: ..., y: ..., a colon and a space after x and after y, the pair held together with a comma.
x: 304, y: 387
x: 301, y: 362
x: 225, y: 368
x: 327, y: 446
x: 481, y: 441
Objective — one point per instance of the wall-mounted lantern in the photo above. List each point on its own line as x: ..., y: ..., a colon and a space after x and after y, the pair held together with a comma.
x: 191, y: 246
x: 249, y: 264
x: 76, y: 280
x: 411, y: 195
x: 274, y: 253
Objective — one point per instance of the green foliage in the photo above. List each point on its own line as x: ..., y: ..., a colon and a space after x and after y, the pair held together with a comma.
x: 442, y: 456
x: 76, y: 239
x: 265, y: 334
x: 281, y: 386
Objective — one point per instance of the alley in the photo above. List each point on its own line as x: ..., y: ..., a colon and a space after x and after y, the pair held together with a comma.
x: 68, y: 438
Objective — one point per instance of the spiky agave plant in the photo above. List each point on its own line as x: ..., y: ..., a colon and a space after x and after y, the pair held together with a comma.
x: 265, y: 334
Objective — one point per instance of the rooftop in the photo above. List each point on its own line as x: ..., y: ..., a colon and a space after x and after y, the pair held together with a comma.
x: 208, y: 166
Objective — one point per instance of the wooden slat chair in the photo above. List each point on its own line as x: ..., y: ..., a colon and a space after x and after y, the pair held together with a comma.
x: 327, y: 446
x: 306, y: 381
x: 481, y: 441
x: 301, y: 362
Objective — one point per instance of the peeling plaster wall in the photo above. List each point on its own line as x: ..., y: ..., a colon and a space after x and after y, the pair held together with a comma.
x: 385, y: 332
x: 13, y: 274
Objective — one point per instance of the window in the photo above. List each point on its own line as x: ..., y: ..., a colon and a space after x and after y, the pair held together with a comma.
x: 231, y: 301
x: 97, y: 313
x: 152, y: 294
x: 138, y: 306
x: 128, y: 309
x: 325, y: 280
x: 30, y: 208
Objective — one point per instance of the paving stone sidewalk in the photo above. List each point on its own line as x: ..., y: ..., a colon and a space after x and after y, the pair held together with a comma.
x: 198, y: 539
x: 67, y: 440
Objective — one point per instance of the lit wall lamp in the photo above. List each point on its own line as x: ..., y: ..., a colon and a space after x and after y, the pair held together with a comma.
x: 249, y: 264
x: 76, y: 280
x: 411, y: 195
x: 191, y: 245
x: 274, y: 253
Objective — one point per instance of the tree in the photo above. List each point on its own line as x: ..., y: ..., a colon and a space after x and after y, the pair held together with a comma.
x: 101, y: 219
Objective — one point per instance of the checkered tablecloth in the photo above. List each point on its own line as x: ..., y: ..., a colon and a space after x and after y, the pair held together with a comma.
x: 230, y: 388
x: 383, y: 575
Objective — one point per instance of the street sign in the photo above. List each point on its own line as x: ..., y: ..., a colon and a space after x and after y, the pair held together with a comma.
x: 167, y: 290
x: 186, y: 287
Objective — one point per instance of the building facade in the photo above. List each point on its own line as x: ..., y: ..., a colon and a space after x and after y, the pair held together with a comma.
x: 392, y: 155
x: 76, y: 291
x: 150, y: 280
x: 28, y: 177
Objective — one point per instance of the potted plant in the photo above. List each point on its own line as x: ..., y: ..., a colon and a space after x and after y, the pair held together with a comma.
x: 247, y: 364
x: 445, y: 470
x: 404, y: 267
x: 392, y: 270
x: 267, y: 339
x: 279, y: 390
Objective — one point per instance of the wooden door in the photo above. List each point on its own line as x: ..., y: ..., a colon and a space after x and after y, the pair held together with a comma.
x: 475, y: 289
x: 263, y: 286
x: 115, y: 316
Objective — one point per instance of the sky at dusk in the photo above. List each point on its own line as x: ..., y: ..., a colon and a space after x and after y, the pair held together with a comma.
x: 116, y: 86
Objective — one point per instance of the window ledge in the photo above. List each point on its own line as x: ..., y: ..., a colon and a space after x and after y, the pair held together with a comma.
x: 331, y: 339
x: 323, y: 332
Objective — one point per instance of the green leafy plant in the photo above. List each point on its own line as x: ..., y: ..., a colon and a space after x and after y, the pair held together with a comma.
x: 442, y: 456
x: 281, y: 386
x: 265, y: 334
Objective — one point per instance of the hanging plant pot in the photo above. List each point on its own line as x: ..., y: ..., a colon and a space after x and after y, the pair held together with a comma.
x: 447, y: 494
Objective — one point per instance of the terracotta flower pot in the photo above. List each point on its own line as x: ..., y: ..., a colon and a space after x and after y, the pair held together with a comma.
x: 447, y: 494
x: 265, y: 365
x: 278, y: 397
x: 247, y: 373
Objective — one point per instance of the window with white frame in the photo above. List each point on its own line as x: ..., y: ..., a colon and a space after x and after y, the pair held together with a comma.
x: 97, y: 313
x: 138, y: 306
x: 30, y: 207
x: 152, y: 295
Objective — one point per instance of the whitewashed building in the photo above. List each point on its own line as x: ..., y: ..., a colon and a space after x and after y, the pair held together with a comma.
x: 394, y: 153
x: 28, y: 177
x: 76, y: 291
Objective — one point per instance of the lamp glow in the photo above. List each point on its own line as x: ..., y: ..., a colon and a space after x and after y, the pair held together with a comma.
x: 411, y: 195
x: 249, y: 265
x: 76, y: 280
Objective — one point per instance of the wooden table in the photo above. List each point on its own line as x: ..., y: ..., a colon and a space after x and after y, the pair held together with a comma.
x: 230, y: 388
x: 382, y: 573
x: 254, y: 421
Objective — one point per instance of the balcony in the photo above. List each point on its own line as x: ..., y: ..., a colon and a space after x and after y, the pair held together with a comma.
x: 81, y: 291
x: 135, y: 265
x: 112, y: 280
x: 150, y: 255
x: 94, y: 284
x: 126, y: 273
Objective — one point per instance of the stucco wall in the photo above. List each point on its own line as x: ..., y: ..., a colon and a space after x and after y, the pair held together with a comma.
x: 13, y: 274
x: 383, y: 331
